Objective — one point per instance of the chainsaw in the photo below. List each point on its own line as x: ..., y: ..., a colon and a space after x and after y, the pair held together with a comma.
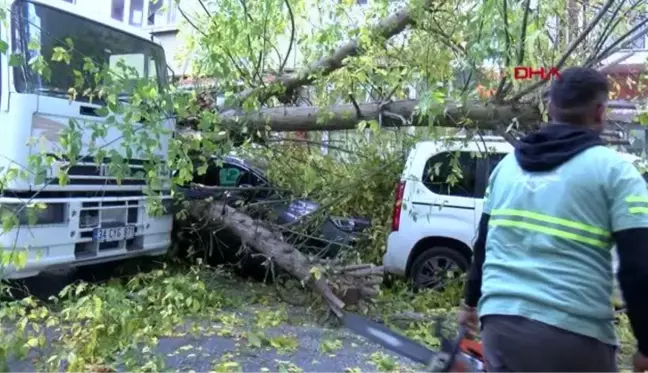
x: 455, y: 355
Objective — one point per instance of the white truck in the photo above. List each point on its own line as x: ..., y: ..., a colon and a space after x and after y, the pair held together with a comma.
x: 93, y: 218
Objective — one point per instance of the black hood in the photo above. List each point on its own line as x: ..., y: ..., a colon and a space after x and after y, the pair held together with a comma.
x: 554, y: 145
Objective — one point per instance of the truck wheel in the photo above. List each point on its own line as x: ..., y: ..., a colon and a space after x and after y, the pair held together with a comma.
x: 433, y: 267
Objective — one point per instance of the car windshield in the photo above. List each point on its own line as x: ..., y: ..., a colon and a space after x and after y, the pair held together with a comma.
x: 39, y: 29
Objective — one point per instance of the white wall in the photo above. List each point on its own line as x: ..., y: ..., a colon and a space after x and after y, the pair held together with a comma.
x: 99, y: 8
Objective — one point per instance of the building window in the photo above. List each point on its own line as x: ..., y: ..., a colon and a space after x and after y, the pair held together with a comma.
x: 640, y: 41
x: 117, y: 12
x: 136, y: 12
x: 145, y: 13
x: 162, y: 13
x: 361, y: 2
x: 70, y: 1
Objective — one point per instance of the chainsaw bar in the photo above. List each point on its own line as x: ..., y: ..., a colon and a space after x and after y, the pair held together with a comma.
x: 388, y: 338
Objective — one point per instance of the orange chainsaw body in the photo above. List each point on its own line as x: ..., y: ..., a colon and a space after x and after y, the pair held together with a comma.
x: 471, y: 357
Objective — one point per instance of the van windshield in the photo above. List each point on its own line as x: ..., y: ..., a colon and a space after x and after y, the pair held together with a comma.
x: 48, y: 28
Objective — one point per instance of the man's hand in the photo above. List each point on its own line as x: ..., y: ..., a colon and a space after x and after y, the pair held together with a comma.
x: 640, y: 362
x: 469, y: 319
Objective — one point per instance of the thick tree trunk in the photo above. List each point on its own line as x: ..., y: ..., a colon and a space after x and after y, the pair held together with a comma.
x: 395, y: 114
x: 360, y: 279
x: 398, y: 113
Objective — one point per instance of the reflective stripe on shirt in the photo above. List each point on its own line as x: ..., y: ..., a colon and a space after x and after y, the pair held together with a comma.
x: 533, y: 221
x: 638, y: 204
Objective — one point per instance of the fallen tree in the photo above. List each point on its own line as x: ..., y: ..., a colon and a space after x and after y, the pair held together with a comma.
x: 488, y: 116
x: 500, y: 110
x: 391, y: 114
x: 339, y: 285
x: 496, y: 114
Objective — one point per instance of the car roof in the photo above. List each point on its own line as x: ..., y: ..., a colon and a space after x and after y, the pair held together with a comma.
x: 494, y: 144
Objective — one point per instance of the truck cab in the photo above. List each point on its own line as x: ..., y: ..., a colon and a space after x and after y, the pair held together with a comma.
x: 96, y: 216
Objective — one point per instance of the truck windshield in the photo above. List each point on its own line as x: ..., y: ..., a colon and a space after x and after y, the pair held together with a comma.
x: 48, y: 28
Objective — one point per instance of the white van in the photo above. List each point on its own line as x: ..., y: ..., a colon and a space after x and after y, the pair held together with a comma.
x: 434, y: 223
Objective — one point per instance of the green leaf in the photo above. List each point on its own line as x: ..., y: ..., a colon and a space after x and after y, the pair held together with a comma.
x: 15, y: 60
x: 254, y: 340
x: 32, y: 342
x: 32, y: 216
x: 33, y: 45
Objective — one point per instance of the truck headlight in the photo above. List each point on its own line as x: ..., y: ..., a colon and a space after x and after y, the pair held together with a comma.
x: 38, y: 214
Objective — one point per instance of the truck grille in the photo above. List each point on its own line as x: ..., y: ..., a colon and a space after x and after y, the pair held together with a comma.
x: 107, y: 214
x: 87, y: 172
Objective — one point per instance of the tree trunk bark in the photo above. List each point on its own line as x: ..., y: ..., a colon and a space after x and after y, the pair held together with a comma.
x: 257, y: 236
x: 395, y: 114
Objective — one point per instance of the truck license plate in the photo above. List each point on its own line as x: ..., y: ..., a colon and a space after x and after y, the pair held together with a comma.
x: 113, y: 234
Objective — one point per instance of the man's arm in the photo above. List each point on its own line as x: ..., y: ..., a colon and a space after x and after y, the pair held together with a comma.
x: 633, y: 279
x: 629, y: 217
x: 472, y: 289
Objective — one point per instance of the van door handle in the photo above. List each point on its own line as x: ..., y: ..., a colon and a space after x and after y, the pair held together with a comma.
x: 88, y: 111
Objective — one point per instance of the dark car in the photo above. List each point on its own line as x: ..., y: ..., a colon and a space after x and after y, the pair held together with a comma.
x: 244, y: 185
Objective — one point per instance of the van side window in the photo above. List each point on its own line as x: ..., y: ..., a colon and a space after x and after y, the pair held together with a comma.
x: 493, y: 160
x: 451, y: 173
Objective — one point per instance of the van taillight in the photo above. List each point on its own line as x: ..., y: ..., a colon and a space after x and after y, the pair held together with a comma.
x: 400, y: 188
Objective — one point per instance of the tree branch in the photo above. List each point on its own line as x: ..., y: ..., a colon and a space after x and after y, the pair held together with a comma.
x: 292, y: 36
x: 227, y: 53
x: 387, y: 28
x: 344, y: 116
x: 567, y: 53
x: 614, y: 47
x: 609, y: 28
x: 507, y: 40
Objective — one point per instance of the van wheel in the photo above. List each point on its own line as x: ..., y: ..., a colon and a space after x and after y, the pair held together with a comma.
x: 435, y: 266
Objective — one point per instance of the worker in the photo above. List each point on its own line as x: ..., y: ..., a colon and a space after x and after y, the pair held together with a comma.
x: 541, y: 280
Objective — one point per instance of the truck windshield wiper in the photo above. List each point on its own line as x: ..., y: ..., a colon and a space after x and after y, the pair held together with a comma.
x: 51, y: 92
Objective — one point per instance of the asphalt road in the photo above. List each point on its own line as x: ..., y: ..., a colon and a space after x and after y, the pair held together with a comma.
x: 205, y: 353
